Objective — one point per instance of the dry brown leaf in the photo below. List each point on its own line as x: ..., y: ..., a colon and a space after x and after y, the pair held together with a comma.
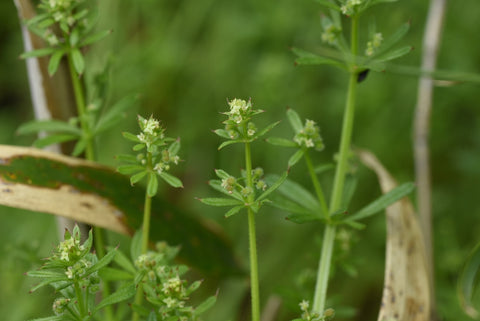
x: 406, y: 292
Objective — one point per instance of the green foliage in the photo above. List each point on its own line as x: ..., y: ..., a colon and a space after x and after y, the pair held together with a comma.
x: 73, y: 272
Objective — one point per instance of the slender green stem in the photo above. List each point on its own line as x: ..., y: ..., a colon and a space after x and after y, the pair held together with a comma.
x: 316, y: 184
x: 81, y: 109
x: 340, y: 173
x: 147, y: 210
x: 90, y: 155
x: 255, y: 291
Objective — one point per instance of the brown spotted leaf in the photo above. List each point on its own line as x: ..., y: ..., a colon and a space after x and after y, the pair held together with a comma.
x: 406, y: 292
x: 87, y: 192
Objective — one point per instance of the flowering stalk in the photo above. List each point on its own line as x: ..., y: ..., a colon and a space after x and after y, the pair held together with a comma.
x: 155, y: 154
x: 340, y: 173
x: 250, y: 195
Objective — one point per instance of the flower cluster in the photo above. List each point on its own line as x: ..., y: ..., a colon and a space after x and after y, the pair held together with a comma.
x: 230, y: 183
x: 309, y: 136
x: 328, y: 314
x: 155, y: 154
x: 65, y: 13
x: 330, y: 32
x: 350, y: 7
x: 238, y: 123
x: 163, y: 285
x: 73, y: 271
x: 373, y: 44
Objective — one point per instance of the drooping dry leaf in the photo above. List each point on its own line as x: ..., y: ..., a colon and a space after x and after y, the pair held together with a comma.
x: 87, y: 192
x: 406, y: 292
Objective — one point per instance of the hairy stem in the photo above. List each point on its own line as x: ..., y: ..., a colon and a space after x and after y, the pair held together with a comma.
x: 340, y: 173
x: 255, y: 291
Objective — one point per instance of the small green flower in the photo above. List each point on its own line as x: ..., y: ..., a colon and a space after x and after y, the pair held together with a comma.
x: 350, y: 7
x: 373, y: 45
x: 309, y: 136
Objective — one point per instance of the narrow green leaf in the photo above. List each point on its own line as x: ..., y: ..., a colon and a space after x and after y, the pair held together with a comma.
x: 468, y: 280
x: 205, y: 305
x: 152, y: 186
x: 130, y: 169
x: 383, y: 201
x: 265, y: 130
x: 137, y: 177
x: 54, y: 61
x: 294, y: 120
x: 394, y: 54
x: 104, y: 261
x: 119, y: 295
x: 289, y: 206
x: 323, y: 168
x: 136, y: 246
x: 131, y: 137
x: 171, y: 180
x: 80, y: 146
x: 127, y: 158
x: 273, y: 187
x: 38, y: 53
x: 297, y: 193
x: 174, y: 147
x: 393, y: 39
x: 354, y: 224
x: 49, y: 281
x: 222, y: 174
x: 138, y: 147
x: 234, y: 210
x: 36, y: 126
x: 78, y: 61
x: 218, y: 201
x: 53, y: 139
x: 115, y: 113
x: 123, y: 261
x: 230, y: 142
x: 278, y: 141
x: 308, y: 58
x: 295, y: 157
x: 349, y: 188
x: 45, y: 274
x: 95, y: 37
x: 222, y: 133
x: 152, y: 316
x: 45, y: 23
x: 112, y: 274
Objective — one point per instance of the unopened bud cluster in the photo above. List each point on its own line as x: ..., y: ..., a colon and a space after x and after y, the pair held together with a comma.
x: 230, y: 183
x: 328, y: 314
x: 350, y: 7
x: 163, y: 285
x: 373, y: 44
x: 63, y: 13
x: 152, y: 136
x: 238, y: 123
x: 309, y: 136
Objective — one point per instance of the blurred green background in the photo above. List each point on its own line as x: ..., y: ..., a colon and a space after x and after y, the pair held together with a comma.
x: 186, y: 57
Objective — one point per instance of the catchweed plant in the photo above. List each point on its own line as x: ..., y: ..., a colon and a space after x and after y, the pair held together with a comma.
x: 249, y: 191
x: 73, y: 271
x: 347, y: 56
x: 155, y: 153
